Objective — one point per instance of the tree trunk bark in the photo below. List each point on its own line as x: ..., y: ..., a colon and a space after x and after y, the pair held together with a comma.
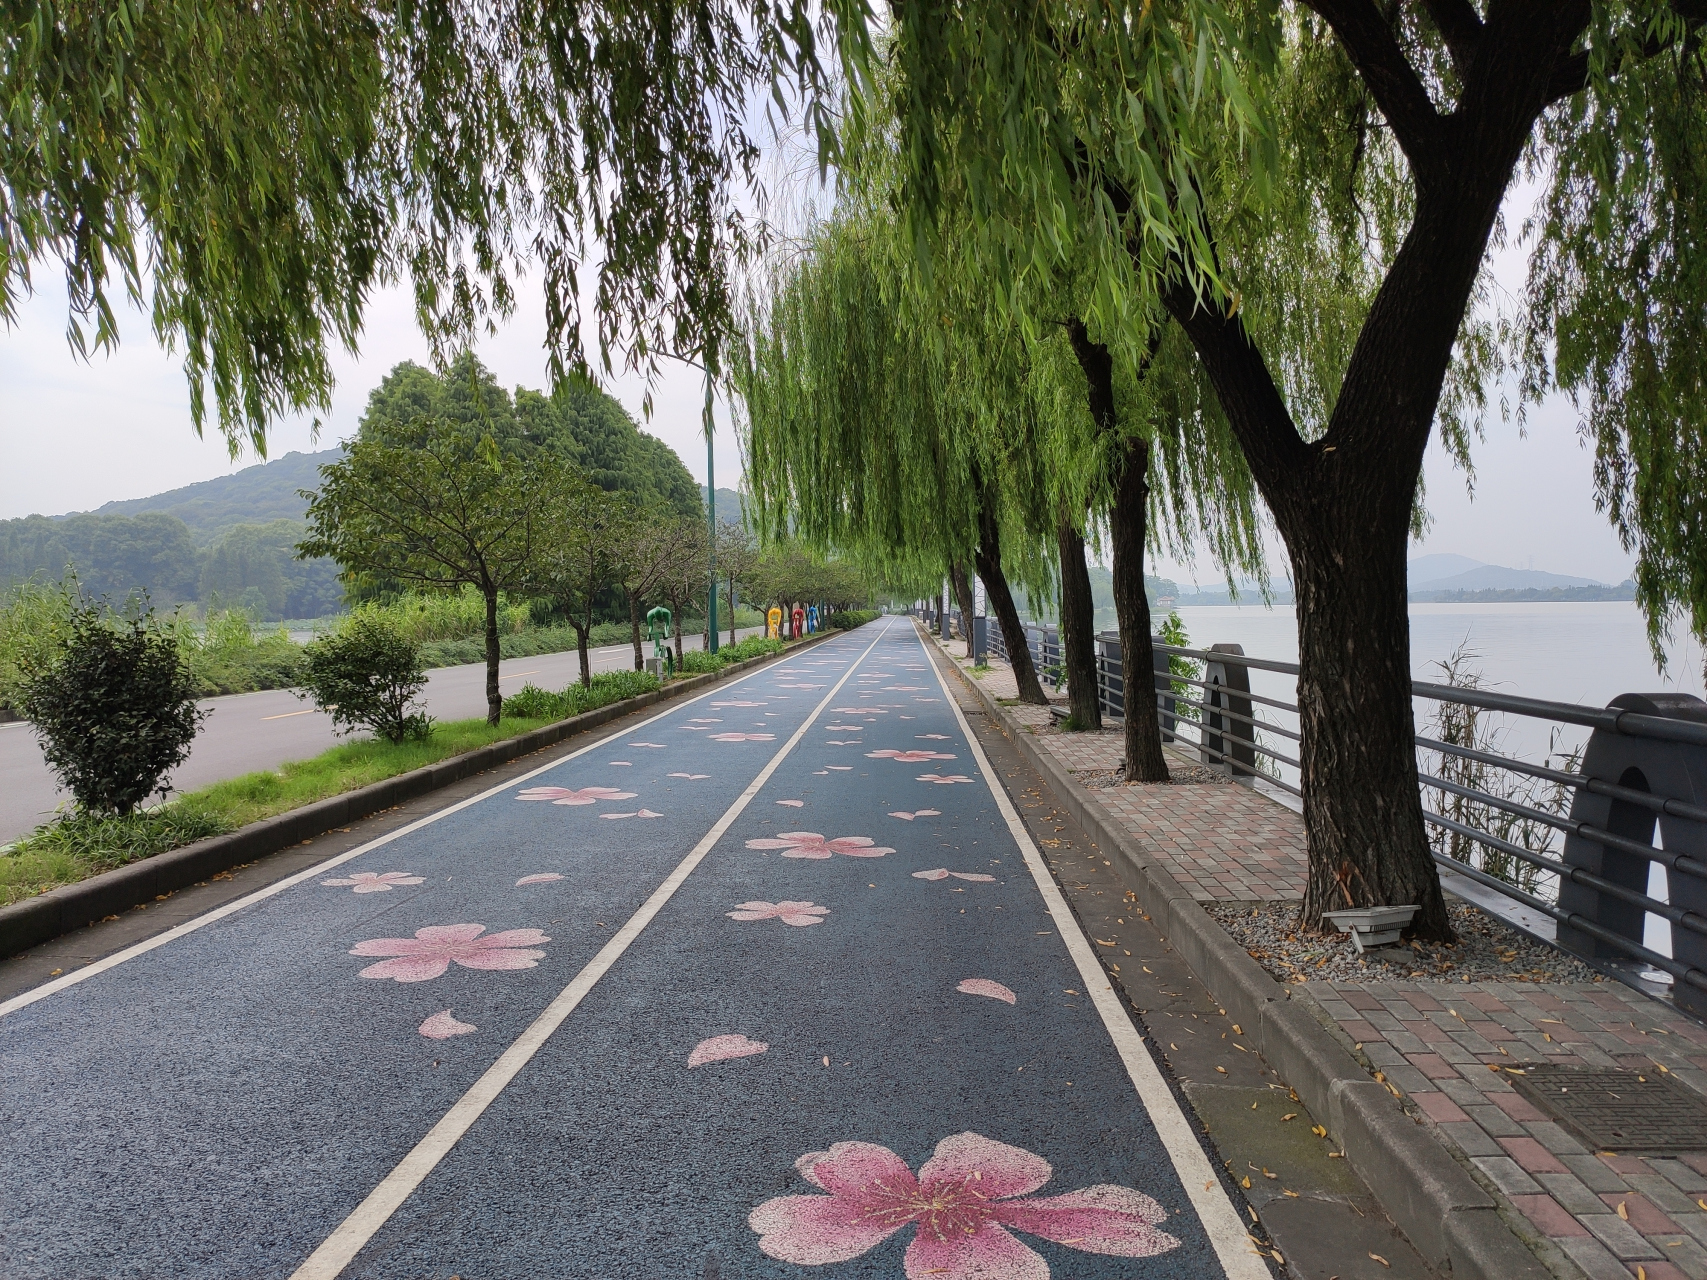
x: 678, y: 641
x: 634, y: 630
x: 586, y: 662
x: 963, y: 596
x: 1078, y: 630
x: 988, y: 559
x: 732, y: 610
x: 1127, y: 530
x: 494, y: 701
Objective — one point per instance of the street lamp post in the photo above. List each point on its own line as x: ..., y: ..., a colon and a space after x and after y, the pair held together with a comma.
x: 711, y: 522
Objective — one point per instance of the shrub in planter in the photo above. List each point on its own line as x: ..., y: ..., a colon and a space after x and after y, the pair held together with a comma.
x: 366, y: 675
x: 115, y: 709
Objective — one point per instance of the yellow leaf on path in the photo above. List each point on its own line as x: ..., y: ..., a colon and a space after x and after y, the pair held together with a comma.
x: 1292, y: 1194
x: 1236, y: 1030
x: 1267, y: 1174
x: 1623, y: 1211
x: 1380, y: 1259
x: 1245, y: 1182
x: 1290, y: 1115
x: 1253, y: 1106
x: 1318, y: 1130
x: 1208, y: 1185
x: 1222, y: 1070
x: 826, y: 1062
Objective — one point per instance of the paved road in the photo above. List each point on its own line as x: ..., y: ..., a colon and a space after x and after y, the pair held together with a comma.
x: 250, y: 731
x: 787, y: 994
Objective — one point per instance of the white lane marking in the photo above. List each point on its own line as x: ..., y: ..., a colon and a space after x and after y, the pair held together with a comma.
x: 1220, y: 1219
x: 219, y: 913
x: 339, y: 1249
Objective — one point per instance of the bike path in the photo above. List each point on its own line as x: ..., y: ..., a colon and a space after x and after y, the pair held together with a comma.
x: 243, y: 1098
x: 213, y: 1105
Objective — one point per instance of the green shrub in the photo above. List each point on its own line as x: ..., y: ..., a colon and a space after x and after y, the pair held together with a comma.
x: 227, y: 656
x: 35, y: 618
x: 607, y: 687
x: 116, y: 708
x: 848, y: 619
x: 104, y: 840
x: 366, y: 674
x: 699, y: 662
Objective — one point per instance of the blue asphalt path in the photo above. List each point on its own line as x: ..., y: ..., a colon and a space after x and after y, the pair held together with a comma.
x: 235, y: 1099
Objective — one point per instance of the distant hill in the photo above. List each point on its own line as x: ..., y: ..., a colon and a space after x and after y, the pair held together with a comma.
x: 730, y: 505
x: 259, y: 494
x: 1487, y: 577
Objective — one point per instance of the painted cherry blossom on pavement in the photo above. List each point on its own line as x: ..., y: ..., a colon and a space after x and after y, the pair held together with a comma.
x: 937, y: 737
x: 845, y: 728
x: 927, y: 699
x: 374, y: 881
x: 904, y: 688
x: 543, y: 877
x: 643, y: 813
x: 917, y: 813
x: 942, y: 779
x: 691, y: 777
x: 570, y: 795
x: 915, y: 756
x: 800, y: 913
x: 843, y: 742
x: 965, y: 1203
x: 441, y: 1026
x: 430, y: 952
x: 715, y: 705
x: 658, y: 745
x: 809, y: 844
x: 706, y: 720
x: 793, y: 804
x: 985, y: 987
x: 723, y: 1048
x: 942, y: 873
x: 840, y: 768
x: 742, y: 737
x: 857, y: 711
x: 626, y: 764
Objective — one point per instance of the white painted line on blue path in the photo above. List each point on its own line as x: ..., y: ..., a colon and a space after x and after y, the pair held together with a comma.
x: 231, y: 908
x: 340, y: 1248
x: 1220, y: 1219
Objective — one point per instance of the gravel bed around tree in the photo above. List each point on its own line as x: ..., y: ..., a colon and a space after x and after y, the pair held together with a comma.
x: 1486, y: 951
x: 1179, y: 775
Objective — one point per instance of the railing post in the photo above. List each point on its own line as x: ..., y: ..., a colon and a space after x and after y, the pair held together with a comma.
x: 1111, y: 678
x: 1165, y: 700
x: 1228, y: 680
x: 1673, y: 769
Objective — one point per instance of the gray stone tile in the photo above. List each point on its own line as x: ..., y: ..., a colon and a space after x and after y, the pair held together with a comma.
x: 1475, y: 1043
x: 1496, y: 1121
x: 1595, y: 1057
x: 1382, y: 1022
x: 1555, y: 1139
x: 1507, y: 1175
x: 1694, y: 1223
x: 1592, y: 1256
x: 1472, y: 1139
x: 1568, y: 1190
x: 1595, y: 1175
x: 1680, y: 1175
x: 1457, y: 1054
x: 1405, y: 1042
x: 1463, y: 1092
x: 1618, y: 1235
x: 1685, y: 1255
x: 1409, y: 1079
x: 1383, y: 1054
x: 1662, y: 1193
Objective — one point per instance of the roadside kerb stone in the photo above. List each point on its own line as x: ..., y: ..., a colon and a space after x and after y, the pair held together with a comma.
x: 74, y: 906
x: 1446, y: 1215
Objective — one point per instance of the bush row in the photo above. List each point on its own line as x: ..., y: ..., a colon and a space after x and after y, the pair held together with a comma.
x: 534, y: 703
x: 848, y: 619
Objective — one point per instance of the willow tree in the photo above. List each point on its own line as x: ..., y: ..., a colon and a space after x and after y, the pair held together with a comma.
x: 863, y: 433
x: 252, y: 172
x: 1165, y: 139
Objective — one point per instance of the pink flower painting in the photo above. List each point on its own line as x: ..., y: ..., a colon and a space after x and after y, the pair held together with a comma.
x: 658, y: 745
x: 845, y: 728
x: 643, y: 813
x: 914, y: 756
x: 942, y: 779
x: 569, y: 795
x: 903, y: 688
x: 374, y: 881
x: 793, y: 804
x: 964, y: 1205
x: 691, y: 777
x: 723, y: 1048
x: 943, y: 873
x: 543, y: 877
x: 840, y: 768
x: 706, y: 720
x: 809, y: 844
x: 841, y: 742
x: 742, y: 737
x: 938, y: 737
x: 857, y: 711
x: 985, y: 987
x: 800, y: 913
x: 716, y: 705
x: 430, y: 952
x: 441, y: 1026
x: 917, y: 813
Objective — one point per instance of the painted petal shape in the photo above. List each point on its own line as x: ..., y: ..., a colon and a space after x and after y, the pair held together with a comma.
x: 927, y: 813
x: 722, y: 1048
x: 908, y: 816
x: 812, y: 1230
x: 691, y: 777
x: 862, y: 1169
x: 408, y: 968
x: 374, y: 881
x: 441, y: 1026
x: 542, y: 877
x: 1117, y: 1221
x: 570, y: 795
x: 793, y: 804
x: 988, y: 1253
x: 995, y: 1169
x: 978, y: 877
x: 985, y: 987
x: 938, y: 873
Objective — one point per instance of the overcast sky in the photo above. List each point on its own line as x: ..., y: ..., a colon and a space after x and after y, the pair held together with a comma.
x: 76, y: 434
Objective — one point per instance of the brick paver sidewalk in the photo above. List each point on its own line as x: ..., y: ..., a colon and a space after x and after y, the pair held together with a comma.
x: 1448, y: 1050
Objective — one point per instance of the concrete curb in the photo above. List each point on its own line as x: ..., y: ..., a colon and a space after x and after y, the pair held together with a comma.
x: 73, y: 906
x: 1444, y: 1212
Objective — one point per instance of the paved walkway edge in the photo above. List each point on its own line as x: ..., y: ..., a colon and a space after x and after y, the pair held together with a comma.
x: 48, y: 915
x: 1445, y: 1213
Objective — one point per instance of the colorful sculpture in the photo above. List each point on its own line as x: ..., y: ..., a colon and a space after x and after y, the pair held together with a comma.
x: 773, y: 623
x: 658, y: 632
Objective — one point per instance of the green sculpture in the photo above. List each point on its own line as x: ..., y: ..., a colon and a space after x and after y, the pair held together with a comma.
x: 658, y: 632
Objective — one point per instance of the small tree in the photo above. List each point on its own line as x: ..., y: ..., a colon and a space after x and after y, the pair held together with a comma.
x: 115, y: 710
x: 737, y: 557
x: 686, y: 571
x: 581, y: 554
x: 367, y: 674
x: 436, y: 504
x: 642, y: 559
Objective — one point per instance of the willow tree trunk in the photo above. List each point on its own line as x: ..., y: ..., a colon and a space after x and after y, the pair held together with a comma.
x: 1078, y: 630
x: 581, y: 650
x: 988, y: 559
x: 494, y: 655
x: 634, y: 630
x: 963, y: 596
x: 1128, y: 524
